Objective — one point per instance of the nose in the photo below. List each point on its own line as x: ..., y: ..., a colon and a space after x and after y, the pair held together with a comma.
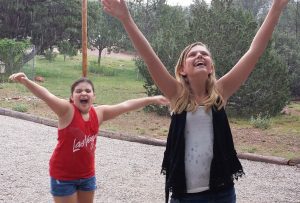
x: 199, y: 55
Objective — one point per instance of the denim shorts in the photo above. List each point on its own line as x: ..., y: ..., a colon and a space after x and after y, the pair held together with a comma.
x: 223, y: 196
x: 69, y: 187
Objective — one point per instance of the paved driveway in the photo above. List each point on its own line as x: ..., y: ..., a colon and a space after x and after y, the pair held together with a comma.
x: 126, y: 171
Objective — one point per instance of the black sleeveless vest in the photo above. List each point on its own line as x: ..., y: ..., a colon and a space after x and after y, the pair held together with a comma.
x: 225, y: 166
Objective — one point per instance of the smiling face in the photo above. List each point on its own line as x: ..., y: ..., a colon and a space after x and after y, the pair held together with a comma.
x: 83, y: 96
x: 197, y: 61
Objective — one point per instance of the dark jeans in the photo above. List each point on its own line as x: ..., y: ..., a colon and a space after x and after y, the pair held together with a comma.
x: 224, y: 196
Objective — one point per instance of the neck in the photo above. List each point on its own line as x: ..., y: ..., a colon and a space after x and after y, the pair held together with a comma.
x: 85, y: 116
x: 199, y: 90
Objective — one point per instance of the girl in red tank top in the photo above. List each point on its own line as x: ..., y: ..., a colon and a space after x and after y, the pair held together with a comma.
x: 72, y: 165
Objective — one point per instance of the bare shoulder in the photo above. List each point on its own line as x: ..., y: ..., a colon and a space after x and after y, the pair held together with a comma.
x: 65, y: 119
x: 221, y: 90
x: 100, y: 112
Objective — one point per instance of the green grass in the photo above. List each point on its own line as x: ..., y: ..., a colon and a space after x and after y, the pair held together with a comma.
x: 294, y: 106
x: 123, y: 85
x: 60, y: 74
x: 20, y: 108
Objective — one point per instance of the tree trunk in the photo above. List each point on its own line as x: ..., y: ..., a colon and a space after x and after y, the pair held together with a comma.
x: 99, y: 56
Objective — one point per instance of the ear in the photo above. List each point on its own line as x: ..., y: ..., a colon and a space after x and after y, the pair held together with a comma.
x: 181, y: 72
x: 71, y: 99
x: 212, y: 68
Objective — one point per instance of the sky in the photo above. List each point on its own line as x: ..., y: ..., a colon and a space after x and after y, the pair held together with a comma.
x: 182, y: 2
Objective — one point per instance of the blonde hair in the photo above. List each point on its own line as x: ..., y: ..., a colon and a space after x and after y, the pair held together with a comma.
x: 186, y: 100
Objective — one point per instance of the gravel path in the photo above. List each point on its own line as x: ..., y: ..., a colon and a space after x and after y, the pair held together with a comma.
x: 126, y: 171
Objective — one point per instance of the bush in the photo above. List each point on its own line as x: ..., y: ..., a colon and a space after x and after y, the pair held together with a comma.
x: 20, y: 108
x: 267, y: 89
x: 261, y: 122
x: 50, y: 55
x: 11, y: 55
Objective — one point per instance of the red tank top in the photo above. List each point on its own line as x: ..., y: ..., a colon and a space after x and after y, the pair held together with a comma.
x: 74, y: 155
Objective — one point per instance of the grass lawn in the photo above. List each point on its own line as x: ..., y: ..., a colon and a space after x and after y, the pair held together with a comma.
x: 118, y: 80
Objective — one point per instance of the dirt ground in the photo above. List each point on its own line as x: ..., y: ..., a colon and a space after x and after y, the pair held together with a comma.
x: 251, y: 140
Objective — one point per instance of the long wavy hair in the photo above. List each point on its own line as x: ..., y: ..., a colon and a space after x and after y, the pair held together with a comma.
x: 186, y: 100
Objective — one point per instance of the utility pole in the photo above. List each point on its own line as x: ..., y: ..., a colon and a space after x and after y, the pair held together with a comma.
x: 84, y: 37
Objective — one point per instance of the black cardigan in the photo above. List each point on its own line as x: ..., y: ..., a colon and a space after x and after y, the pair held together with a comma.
x: 225, y: 166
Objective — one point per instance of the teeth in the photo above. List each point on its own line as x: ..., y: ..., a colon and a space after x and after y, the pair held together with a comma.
x: 199, y: 63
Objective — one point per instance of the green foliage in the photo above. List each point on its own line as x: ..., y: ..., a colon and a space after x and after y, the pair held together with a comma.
x: 286, y: 36
x: 103, y: 30
x: 228, y: 33
x: 67, y: 49
x: 50, y: 55
x: 289, y: 49
x: 267, y: 89
x: 46, y: 22
x: 166, y: 32
x: 261, y: 122
x: 11, y: 54
x: 102, y: 70
x: 20, y: 108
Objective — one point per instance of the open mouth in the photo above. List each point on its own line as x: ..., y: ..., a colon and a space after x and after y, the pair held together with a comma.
x: 199, y: 64
x: 84, y: 101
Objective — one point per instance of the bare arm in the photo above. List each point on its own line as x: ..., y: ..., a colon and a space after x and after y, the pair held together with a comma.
x: 231, y: 82
x: 59, y: 106
x: 107, y: 112
x: 166, y: 83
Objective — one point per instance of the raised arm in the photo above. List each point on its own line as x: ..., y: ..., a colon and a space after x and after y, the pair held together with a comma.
x: 231, y: 81
x: 59, y: 106
x: 107, y: 112
x: 166, y: 83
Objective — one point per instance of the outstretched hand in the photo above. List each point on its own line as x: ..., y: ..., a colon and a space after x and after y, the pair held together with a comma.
x: 280, y: 3
x: 18, y: 77
x: 161, y: 100
x: 117, y: 9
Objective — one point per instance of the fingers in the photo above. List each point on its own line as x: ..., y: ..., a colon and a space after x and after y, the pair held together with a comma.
x: 107, y: 7
x: 17, y: 77
x: 162, y: 100
x: 105, y: 3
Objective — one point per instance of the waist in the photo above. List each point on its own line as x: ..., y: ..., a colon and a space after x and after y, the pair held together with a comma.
x: 204, y: 193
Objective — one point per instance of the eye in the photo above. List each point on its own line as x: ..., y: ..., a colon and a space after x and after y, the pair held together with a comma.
x: 191, y: 54
x: 204, y: 53
x: 88, y: 90
x: 78, y: 91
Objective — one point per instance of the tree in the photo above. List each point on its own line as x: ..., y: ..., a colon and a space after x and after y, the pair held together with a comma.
x: 11, y: 54
x: 286, y: 36
x: 67, y: 49
x: 103, y: 30
x: 228, y: 33
x: 45, y: 22
x: 287, y: 43
x: 166, y: 29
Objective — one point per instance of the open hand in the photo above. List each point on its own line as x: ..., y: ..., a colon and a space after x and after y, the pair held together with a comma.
x: 280, y: 3
x: 161, y: 100
x: 117, y: 9
x: 18, y: 77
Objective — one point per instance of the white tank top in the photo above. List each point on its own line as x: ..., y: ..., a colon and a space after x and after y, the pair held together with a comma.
x: 198, y: 149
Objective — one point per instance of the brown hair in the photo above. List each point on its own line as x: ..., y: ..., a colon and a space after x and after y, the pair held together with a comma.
x: 80, y: 80
x: 186, y: 100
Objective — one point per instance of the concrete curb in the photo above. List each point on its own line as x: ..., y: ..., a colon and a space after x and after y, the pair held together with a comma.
x: 146, y: 140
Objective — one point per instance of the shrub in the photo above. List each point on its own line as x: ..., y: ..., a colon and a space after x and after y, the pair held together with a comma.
x: 20, y: 108
x: 50, y: 55
x: 261, y: 122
